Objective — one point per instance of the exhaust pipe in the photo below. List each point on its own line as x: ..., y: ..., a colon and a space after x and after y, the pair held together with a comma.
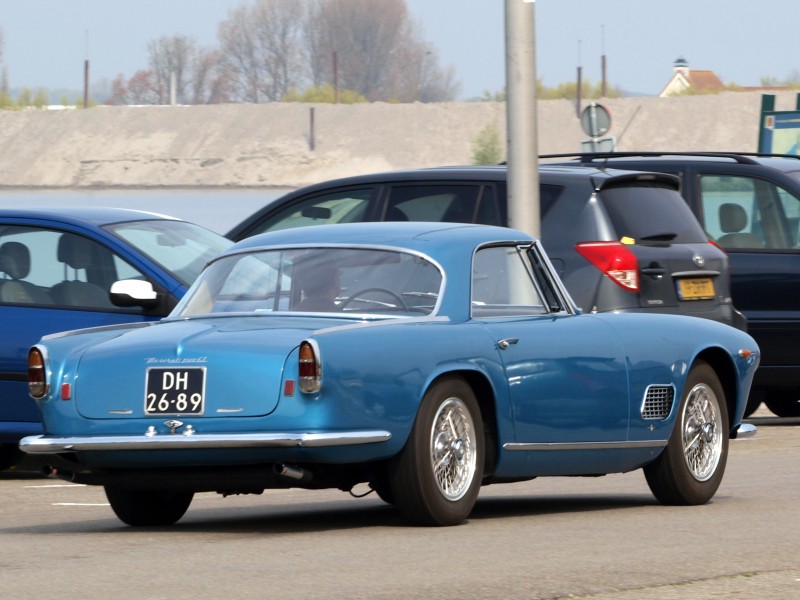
x: 290, y: 472
x: 53, y: 472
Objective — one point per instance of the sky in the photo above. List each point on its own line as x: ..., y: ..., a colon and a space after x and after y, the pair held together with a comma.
x: 47, y: 41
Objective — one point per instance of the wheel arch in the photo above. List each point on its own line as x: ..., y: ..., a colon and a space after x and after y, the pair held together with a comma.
x: 719, y: 360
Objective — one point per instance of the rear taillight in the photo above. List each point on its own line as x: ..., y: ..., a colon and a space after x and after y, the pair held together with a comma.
x: 37, y: 374
x: 309, y: 368
x: 615, y: 260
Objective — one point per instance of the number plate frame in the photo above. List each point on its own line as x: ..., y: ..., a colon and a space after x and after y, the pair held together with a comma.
x: 183, y: 385
x: 696, y: 288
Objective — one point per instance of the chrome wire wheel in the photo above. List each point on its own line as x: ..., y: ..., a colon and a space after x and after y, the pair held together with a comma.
x: 453, y: 456
x: 690, y: 469
x: 702, y: 432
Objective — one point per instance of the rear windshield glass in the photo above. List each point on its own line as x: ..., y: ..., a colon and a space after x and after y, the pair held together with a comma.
x: 651, y: 214
x: 319, y: 280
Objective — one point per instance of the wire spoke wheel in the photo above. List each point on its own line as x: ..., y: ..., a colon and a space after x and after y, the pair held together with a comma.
x: 690, y: 468
x: 436, y: 478
x: 701, y: 427
x: 453, y: 443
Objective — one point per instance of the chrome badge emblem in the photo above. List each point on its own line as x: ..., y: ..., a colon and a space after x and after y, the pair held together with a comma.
x: 173, y: 425
x: 698, y: 260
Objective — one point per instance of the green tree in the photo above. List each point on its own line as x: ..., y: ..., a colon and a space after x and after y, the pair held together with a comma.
x: 323, y: 94
x: 487, y: 149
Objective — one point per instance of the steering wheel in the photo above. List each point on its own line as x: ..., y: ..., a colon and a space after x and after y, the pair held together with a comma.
x: 395, y: 297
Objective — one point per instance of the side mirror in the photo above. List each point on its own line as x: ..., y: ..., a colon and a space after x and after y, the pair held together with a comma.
x: 133, y: 292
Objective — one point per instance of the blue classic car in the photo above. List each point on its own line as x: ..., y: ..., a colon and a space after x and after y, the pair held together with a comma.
x: 57, y: 269
x: 423, y: 359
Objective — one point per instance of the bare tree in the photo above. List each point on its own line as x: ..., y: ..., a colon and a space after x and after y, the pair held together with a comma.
x: 261, y: 49
x: 380, y: 51
x: 168, y: 57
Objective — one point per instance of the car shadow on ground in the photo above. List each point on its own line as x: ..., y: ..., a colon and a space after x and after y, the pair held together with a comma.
x: 339, y: 515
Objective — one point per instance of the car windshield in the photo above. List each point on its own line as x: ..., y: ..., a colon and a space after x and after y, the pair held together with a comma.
x: 319, y: 280
x: 181, y: 248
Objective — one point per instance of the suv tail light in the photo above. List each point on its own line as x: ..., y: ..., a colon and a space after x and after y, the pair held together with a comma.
x: 615, y: 260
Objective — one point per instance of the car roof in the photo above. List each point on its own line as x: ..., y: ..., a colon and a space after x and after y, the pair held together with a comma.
x: 82, y: 215
x: 411, y: 234
x: 780, y: 162
x: 467, y: 173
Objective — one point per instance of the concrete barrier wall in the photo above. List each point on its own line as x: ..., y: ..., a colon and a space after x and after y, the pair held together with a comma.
x: 271, y: 144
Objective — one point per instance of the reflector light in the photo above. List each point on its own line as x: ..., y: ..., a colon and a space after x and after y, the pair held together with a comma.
x: 37, y: 377
x: 615, y: 260
x: 66, y: 391
x: 309, y: 369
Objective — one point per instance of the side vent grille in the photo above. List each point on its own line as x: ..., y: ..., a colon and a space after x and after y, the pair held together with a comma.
x: 658, y: 401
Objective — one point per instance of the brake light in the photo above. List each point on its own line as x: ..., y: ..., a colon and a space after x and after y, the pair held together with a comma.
x: 309, y: 368
x: 37, y: 376
x: 615, y: 260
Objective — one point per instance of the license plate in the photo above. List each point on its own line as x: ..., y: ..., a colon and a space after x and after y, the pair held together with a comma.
x: 701, y: 288
x: 175, y: 391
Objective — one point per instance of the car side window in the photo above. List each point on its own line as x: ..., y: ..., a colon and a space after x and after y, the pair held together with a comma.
x: 436, y: 203
x: 343, y: 206
x: 502, y: 284
x: 747, y: 212
x: 48, y: 267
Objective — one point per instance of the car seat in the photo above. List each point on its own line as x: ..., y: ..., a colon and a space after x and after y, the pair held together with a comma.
x: 732, y: 220
x: 77, y: 253
x: 15, y: 265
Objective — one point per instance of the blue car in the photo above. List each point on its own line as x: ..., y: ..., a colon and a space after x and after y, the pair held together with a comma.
x: 57, y: 269
x: 421, y: 359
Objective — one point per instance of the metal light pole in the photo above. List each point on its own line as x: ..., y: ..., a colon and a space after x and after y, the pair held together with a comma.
x: 523, y: 158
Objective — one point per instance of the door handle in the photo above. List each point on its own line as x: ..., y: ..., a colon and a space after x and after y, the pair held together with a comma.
x: 657, y: 272
x: 504, y: 344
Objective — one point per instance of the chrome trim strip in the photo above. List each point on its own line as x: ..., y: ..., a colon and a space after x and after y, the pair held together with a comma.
x: 696, y: 274
x: 585, y: 445
x: 42, y: 444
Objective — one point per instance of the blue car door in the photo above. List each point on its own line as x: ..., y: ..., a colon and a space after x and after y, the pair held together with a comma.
x: 51, y: 280
x: 567, y: 379
x: 566, y: 373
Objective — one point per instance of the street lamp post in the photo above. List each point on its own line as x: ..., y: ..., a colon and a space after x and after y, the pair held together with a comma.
x: 522, y: 155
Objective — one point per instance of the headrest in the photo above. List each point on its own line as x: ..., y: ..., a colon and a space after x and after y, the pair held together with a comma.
x: 732, y: 218
x: 75, y: 251
x: 15, y: 260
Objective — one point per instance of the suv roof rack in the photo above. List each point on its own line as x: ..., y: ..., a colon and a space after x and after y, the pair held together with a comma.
x: 739, y: 157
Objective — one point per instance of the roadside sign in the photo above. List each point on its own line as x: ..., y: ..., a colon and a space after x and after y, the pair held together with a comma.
x: 595, y: 120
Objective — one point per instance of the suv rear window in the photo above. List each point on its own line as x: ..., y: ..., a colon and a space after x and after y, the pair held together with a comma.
x: 651, y: 214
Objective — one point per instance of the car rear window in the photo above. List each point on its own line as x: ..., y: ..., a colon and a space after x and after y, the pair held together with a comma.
x: 651, y: 214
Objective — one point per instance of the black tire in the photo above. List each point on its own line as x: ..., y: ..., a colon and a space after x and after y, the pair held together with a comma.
x: 436, y: 478
x: 147, y: 508
x: 690, y: 468
x: 783, y: 404
x: 383, y: 490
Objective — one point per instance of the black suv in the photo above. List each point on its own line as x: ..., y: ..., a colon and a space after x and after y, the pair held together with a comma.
x: 621, y: 240
x: 749, y: 204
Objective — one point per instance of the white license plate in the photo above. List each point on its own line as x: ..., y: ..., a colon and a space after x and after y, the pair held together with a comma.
x: 170, y: 391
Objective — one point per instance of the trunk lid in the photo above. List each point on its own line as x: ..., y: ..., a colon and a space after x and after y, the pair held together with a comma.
x: 235, y: 363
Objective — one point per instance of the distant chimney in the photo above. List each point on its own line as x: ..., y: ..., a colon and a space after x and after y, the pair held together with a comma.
x: 682, y: 66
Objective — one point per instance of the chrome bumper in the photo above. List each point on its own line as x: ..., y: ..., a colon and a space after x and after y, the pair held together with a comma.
x: 42, y: 444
